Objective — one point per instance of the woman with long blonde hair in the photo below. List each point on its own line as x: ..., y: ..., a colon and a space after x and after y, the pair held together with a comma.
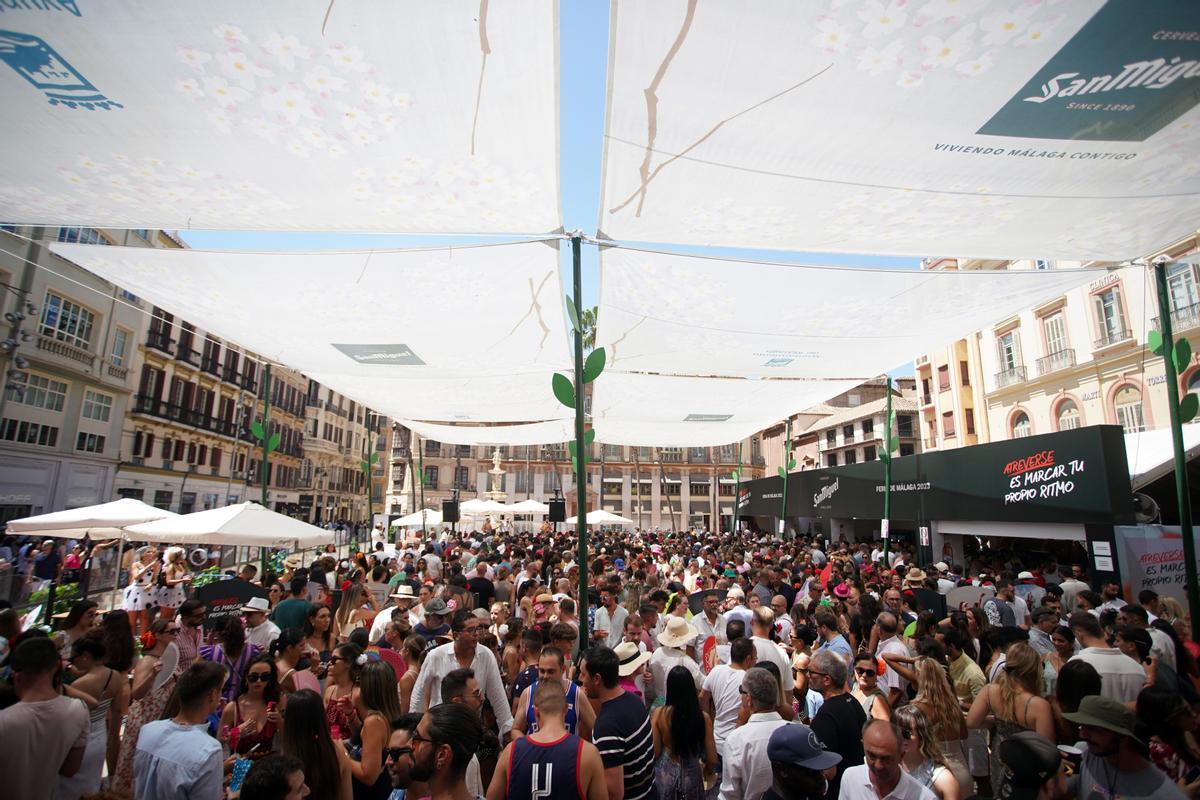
x: 352, y: 612
x: 175, y: 579
x: 923, y: 759
x: 1015, y: 703
x: 938, y: 702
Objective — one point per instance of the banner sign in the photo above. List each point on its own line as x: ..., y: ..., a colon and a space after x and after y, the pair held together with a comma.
x: 1151, y: 557
x: 1076, y: 476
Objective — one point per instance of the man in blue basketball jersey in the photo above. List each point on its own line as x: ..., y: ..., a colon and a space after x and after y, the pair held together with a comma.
x: 579, y: 717
x: 549, y: 763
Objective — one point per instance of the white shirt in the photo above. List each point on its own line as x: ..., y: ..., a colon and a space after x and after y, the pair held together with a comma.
x: 724, y: 683
x: 747, y: 769
x: 1161, y: 647
x: 946, y: 586
x: 769, y: 651
x: 1020, y: 610
x: 856, y: 785
x: 441, y: 661
x: 1121, y: 678
x: 263, y: 635
x: 891, y: 679
x: 706, y: 629
x: 666, y: 659
x: 614, y: 624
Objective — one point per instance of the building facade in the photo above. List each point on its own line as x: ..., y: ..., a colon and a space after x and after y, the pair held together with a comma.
x: 188, y: 443
x: 340, y: 435
x: 848, y: 428
x: 66, y: 360
x: 666, y: 487
x: 1079, y: 359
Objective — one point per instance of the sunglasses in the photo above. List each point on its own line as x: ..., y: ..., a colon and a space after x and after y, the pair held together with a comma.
x: 396, y: 753
x: 258, y: 677
x: 335, y: 659
x: 865, y: 672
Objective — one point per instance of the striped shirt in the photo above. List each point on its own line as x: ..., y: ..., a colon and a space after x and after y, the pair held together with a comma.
x: 622, y: 735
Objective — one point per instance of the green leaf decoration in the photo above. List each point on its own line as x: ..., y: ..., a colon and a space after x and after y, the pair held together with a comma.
x: 734, y: 475
x: 1154, y: 341
x: 563, y: 390
x: 374, y: 457
x: 256, y: 428
x: 594, y: 365
x: 792, y: 464
x: 1188, y: 407
x: 589, y: 436
x: 574, y: 317
x: 1183, y: 354
x: 884, y: 456
x: 782, y: 473
x: 273, y: 443
x: 571, y: 448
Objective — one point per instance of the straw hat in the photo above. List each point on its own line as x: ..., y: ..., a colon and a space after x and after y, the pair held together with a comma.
x: 678, y: 633
x: 915, y: 577
x: 629, y: 658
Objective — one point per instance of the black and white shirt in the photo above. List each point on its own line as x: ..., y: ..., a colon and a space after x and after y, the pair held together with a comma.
x: 622, y: 735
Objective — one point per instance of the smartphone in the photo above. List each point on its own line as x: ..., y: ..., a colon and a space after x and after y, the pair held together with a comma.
x: 1192, y: 775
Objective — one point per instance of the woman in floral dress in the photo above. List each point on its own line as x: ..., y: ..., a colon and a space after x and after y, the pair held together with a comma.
x: 148, y: 702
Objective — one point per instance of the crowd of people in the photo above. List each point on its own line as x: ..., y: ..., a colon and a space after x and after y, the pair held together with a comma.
x: 713, y: 666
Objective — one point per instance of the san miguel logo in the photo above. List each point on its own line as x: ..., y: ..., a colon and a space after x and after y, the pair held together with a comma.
x: 1126, y: 75
x: 827, y: 491
x: 388, y: 354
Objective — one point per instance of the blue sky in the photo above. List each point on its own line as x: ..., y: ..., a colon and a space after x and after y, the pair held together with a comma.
x: 583, y: 55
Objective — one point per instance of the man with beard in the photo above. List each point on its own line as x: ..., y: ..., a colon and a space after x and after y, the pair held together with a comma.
x: 622, y: 731
x: 446, y: 738
x: 550, y: 762
x: 398, y: 757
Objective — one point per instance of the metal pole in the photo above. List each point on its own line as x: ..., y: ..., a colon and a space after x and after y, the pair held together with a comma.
x: 266, y: 426
x: 887, y: 472
x: 1181, y: 481
x: 737, y: 494
x: 264, y: 469
x: 787, y: 461
x: 580, y: 454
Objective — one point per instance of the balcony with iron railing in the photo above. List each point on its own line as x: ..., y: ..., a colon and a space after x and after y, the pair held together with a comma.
x: 1108, y: 338
x: 698, y: 457
x: 185, y: 353
x: 210, y: 365
x: 1010, y: 377
x: 160, y: 340
x: 1182, y: 318
x: 1063, y: 359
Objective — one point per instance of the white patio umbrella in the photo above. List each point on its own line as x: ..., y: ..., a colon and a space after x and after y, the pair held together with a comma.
x: 475, y: 506
x: 428, y: 516
x: 103, y: 521
x: 601, y: 517
x: 247, y: 524
x: 529, y: 507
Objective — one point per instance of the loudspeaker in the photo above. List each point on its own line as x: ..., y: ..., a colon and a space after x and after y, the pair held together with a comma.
x: 558, y: 510
x: 449, y: 511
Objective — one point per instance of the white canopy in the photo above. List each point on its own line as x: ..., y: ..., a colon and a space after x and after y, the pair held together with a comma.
x: 102, y: 521
x: 490, y: 359
x: 688, y: 366
x: 1151, y: 454
x: 428, y: 516
x: 478, y: 505
x: 363, y: 116
x: 548, y: 432
x: 691, y: 315
x: 1005, y: 129
x: 674, y: 411
x: 239, y: 524
x: 529, y: 507
x: 601, y: 517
